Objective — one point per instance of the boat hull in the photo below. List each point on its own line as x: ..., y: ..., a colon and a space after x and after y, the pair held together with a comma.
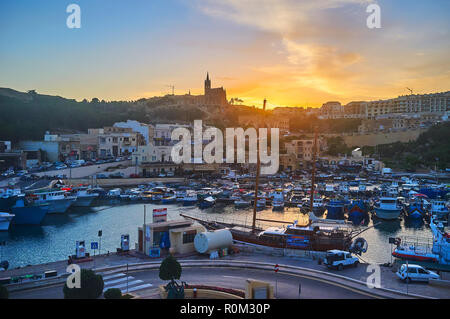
x: 59, y: 206
x: 84, y: 201
x: 29, y: 215
x: 5, y: 221
x: 387, y: 214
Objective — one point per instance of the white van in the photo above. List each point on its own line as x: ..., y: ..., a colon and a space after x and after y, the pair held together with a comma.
x: 410, y: 272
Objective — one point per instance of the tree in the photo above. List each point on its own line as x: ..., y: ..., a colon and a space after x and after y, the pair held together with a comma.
x: 4, y: 294
x: 113, y: 293
x: 91, y: 286
x: 170, y: 269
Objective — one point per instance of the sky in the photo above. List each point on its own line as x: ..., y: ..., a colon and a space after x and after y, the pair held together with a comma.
x: 291, y: 52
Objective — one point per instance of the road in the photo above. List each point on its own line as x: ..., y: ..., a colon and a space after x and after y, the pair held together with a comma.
x: 287, y: 286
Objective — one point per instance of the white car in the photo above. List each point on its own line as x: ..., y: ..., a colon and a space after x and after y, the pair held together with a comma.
x: 339, y: 259
x: 411, y: 272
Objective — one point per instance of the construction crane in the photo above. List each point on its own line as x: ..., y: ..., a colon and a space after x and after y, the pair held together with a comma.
x: 410, y: 90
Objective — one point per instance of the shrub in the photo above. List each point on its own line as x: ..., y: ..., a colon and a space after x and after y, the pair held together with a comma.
x: 113, y: 293
x: 4, y: 294
x: 91, y: 286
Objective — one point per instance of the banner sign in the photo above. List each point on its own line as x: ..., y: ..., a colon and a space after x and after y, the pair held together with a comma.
x: 298, y: 241
x: 160, y: 215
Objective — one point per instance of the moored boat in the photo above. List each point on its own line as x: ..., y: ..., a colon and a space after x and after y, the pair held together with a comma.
x: 5, y: 220
x: 388, y: 208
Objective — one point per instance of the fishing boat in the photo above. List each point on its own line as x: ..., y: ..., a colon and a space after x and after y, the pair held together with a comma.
x: 335, y: 209
x: 5, y: 220
x: 416, y: 209
x: 172, y: 199
x: 190, y: 198
x: 84, y: 197
x: 439, y: 209
x: 8, y: 198
x: 357, y: 212
x: 278, y: 200
x: 207, y: 202
x: 241, y: 203
x: 28, y: 213
x: 318, y: 205
x: 388, y: 208
x: 59, y: 200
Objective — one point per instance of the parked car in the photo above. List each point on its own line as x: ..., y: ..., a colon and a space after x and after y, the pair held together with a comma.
x: 61, y: 166
x: 339, y: 259
x: 22, y: 172
x: 100, y: 176
x: 8, y: 173
x: 411, y: 272
x: 134, y: 176
x: 116, y: 175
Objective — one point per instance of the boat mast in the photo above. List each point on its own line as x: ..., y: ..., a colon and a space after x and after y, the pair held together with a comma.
x: 258, y: 168
x: 313, y: 171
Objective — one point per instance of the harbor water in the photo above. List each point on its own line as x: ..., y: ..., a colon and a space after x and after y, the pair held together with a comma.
x: 55, y: 239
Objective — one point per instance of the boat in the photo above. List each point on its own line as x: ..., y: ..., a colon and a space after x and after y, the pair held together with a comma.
x: 59, y: 200
x: 315, y: 236
x: 84, y: 197
x: 416, y: 209
x: 8, y: 198
x: 357, y: 212
x: 278, y: 200
x: 241, y: 203
x: 439, y: 209
x: 169, y: 199
x: 318, y: 206
x: 335, y: 209
x: 190, y: 198
x: 207, y: 202
x: 28, y: 213
x: 5, y: 220
x: 436, y: 250
x: 387, y: 208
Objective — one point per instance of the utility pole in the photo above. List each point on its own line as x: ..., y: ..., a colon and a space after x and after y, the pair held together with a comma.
x: 313, y: 171
x: 258, y: 168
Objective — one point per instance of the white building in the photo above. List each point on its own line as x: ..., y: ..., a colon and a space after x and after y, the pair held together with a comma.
x: 146, y: 130
x: 152, y: 154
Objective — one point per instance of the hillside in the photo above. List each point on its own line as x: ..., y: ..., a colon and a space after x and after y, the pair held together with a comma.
x: 430, y: 149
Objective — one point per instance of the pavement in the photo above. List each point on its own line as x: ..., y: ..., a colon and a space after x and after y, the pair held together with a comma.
x: 145, y: 282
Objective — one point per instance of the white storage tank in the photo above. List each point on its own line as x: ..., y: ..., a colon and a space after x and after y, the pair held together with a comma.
x: 209, y: 241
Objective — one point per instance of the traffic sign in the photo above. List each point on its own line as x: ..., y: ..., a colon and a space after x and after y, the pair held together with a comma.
x: 94, y: 245
x: 276, y: 268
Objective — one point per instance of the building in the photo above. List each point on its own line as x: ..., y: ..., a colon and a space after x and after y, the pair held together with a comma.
x: 303, y: 149
x: 146, y: 130
x: 151, y: 153
x: 289, y: 163
x: 178, y: 235
x: 331, y: 110
x: 214, y: 96
x: 118, y: 141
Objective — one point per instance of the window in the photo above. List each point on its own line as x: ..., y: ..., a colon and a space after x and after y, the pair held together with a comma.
x: 188, y: 237
x: 412, y: 270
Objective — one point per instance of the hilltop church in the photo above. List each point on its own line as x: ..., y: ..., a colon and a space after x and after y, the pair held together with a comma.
x: 214, y: 96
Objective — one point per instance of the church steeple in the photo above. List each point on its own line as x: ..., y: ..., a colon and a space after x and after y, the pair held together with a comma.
x: 207, y: 83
